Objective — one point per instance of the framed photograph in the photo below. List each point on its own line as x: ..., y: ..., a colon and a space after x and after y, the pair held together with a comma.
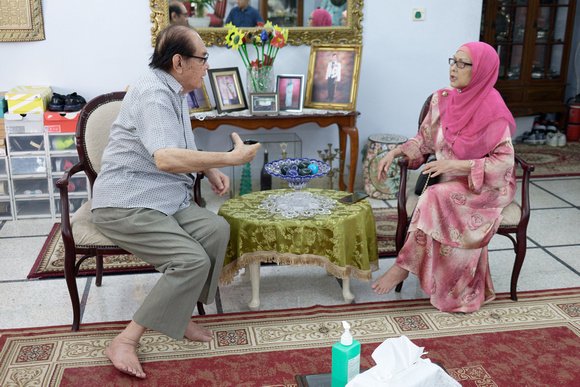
x: 227, y: 89
x: 290, y: 89
x: 333, y: 75
x: 264, y: 103
x: 198, y: 100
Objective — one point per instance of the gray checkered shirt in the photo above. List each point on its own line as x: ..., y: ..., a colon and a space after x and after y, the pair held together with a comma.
x: 154, y: 115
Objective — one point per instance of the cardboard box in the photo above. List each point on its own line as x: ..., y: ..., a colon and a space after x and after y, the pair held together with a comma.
x: 24, y: 123
x: 2, y: 129
x: 28, y: 99
x: 56, y: 122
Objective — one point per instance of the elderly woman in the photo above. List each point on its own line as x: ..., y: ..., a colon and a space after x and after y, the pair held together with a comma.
x: 469, y: 129
x: 320, y: 18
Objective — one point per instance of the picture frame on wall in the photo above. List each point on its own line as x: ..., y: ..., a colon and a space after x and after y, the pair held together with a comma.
x: 333, y: 75
x: 227, y: 89
x: 198, y: 100
x: 264, y: 103
x: 290, y: 89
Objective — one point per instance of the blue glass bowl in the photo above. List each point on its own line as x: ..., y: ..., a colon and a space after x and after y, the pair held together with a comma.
x: 296, y: 182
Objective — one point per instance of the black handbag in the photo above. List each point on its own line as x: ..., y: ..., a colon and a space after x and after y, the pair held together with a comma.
x: 425, y: 181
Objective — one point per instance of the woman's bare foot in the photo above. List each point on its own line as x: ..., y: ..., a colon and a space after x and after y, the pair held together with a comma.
x: 196, y: 332
x: 389, y: 280
x: 123, y: 353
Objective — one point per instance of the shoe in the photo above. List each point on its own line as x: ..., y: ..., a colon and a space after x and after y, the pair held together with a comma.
x: 56, y: 103
x: 552, y: 127
x: 561, y: 139
x: 552, y: 139
x: 74, y: 102
x: 536, y: 137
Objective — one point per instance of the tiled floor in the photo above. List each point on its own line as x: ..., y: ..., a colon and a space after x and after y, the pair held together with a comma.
x: 552, y: 261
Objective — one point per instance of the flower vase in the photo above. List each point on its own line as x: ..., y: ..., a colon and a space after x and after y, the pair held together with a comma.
x: 260, y: 79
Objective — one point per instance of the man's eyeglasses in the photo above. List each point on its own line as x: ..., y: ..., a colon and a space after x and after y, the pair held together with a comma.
x: 203, y: 58
x: 459, y: 64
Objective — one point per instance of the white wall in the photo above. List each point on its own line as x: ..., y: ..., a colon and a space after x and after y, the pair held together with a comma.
x: 93, y: 47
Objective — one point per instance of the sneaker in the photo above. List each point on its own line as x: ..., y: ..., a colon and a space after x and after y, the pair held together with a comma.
x: 522, y: 138
x: 552, y: 139
x: 537, y: 137
x: 561, y: 139
x: 552, y: 127
x: 56, y: 103
x: 74, y: 102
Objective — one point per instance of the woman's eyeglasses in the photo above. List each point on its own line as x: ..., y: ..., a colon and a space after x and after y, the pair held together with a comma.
x: 459, y: 64
x: 203, y: 58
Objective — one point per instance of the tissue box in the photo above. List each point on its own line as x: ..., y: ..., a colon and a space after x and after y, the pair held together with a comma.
x: 24, y: 123
x: 60, y: 122
x: 28, y: 99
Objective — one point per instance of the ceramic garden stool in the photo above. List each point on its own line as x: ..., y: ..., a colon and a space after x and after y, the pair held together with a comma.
x: 378, y: 145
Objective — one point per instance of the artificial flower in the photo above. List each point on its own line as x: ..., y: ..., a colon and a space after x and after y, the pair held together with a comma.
x: 266, y: 43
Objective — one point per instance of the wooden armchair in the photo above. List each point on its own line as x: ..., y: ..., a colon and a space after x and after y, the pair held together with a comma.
x: 515, y: 216
x: 79, y: 235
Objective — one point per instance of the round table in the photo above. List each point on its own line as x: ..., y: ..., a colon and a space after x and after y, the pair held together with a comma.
x: 344, y: 242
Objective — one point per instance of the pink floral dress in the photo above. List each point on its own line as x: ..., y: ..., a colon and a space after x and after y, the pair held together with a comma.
x: 446, y: 246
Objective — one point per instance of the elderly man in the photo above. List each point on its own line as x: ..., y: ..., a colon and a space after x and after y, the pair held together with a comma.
x: 142, y: 197
x: 177, y: 13
x: 244, y: 15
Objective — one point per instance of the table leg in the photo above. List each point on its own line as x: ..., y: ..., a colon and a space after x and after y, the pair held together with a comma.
x: 352, y: 133
x: 346, y: 293
x: 255, y: 279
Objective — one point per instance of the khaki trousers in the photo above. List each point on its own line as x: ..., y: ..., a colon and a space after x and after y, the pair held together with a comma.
x: 188, y: 248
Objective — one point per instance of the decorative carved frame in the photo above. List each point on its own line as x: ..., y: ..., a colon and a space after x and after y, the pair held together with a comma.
x: 352, y: 34
x: 32, y: 30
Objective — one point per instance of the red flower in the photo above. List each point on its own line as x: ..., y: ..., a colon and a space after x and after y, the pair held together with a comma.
x: 268, y: 61
x: 255, y: 64
x: 278, y: 40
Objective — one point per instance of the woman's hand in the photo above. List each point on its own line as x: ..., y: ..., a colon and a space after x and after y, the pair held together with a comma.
x: 385, y: 163
x: 220, y: 182
x: 438, y: 167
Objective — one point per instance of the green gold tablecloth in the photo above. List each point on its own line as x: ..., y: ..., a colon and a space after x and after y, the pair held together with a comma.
x: 344, y: 242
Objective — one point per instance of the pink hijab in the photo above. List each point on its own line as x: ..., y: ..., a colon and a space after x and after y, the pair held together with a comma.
x: 478, y: 111
x: 321, y: 18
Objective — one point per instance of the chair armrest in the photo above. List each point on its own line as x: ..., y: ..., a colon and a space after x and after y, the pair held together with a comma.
x: 525, y: 203
x: 403, y: 163
x: 62, y: 185
x: 197, y: 189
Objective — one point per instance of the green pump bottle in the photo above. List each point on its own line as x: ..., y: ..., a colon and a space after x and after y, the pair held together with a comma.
x: 345, y: 358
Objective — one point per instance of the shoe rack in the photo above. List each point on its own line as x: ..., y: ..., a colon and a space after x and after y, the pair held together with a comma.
x: 5, y: 197
x: 36, y: 161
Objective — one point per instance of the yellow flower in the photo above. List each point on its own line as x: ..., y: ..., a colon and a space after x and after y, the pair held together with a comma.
x: 236, y: 39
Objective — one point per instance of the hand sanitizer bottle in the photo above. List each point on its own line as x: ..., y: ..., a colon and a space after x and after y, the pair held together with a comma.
x: 345, y: 358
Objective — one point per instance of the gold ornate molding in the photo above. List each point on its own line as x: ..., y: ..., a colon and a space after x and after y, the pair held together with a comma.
x: 296, y: 35
x: 21, y: 21
x: 159, y: 17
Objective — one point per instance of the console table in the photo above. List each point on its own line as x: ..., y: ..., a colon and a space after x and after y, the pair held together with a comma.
x: 344, y: 120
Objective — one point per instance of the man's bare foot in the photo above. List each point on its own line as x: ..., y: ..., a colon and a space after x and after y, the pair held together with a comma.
x: 123, y: 353
x: 389, y: 280
x: 196, y: 332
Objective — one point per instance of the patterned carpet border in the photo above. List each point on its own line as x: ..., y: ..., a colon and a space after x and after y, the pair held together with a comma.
x: 278, y: 345
x: 50, y: 260
x: 550, y: 161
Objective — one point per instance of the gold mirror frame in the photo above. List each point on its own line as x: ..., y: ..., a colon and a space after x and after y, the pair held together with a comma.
x: 296, y: 35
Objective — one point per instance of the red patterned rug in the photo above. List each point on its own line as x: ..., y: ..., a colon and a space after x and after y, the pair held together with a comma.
x: 50, y: 260
x: 532, y: 342
x: 550, y: 161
